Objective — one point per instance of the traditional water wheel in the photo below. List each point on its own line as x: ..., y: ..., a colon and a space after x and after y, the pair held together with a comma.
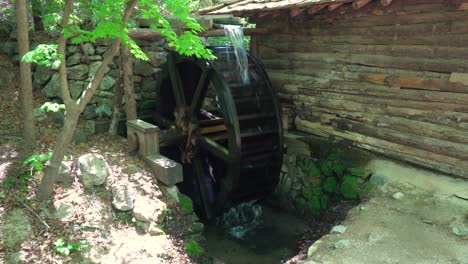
x: 226, y: 133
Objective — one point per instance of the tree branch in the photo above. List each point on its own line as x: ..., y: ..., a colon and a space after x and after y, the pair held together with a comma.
x: 69, y: 103
x: 96, y: 79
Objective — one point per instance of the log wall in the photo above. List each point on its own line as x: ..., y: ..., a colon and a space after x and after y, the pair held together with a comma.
x: 392, y: 80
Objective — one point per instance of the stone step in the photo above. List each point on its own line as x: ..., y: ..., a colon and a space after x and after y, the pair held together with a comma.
x: 165, y: 170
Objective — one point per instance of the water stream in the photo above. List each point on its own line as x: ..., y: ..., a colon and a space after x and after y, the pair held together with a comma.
x: 252, y: 233
x: 235, y: 34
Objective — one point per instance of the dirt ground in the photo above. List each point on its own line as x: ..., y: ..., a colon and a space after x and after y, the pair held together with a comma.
x: 28, y: 229
x: 412, y: 219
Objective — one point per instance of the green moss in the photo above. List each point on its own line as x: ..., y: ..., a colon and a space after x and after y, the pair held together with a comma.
x: 193, y: 249
x: 186, y: 204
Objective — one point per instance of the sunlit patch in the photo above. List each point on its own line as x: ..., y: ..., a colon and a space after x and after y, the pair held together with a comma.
x: 4, y: 169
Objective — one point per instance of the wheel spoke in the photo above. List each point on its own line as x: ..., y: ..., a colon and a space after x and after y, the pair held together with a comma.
x: 215, y: 148
x: 172, y: 136
x: 200, y: 174
x: 200, y: 92
x: 177, y: 88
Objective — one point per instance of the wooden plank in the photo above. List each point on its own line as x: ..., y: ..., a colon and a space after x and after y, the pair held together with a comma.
x: 416, y: 83
x: 296, y: 11
x: 334, y: 6
x: 360, y: 3
x: 314, y: 9
x: 455, y: 166
x: 408, y: 125
x: 212, y: 129
x: 385, y: 2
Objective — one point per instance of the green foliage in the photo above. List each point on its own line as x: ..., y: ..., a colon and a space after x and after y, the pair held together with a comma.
x: 186, y: 204
x: 63, y: 248
x: 52, y: 107
x: 330, y: 179
x: 104, y: 111
x: 169, y: 216
x: 43, y: 54
x: 193, y: 249
x: 37, y: 161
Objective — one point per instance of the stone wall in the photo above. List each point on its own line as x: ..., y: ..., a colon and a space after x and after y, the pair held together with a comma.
x: 83, y: 61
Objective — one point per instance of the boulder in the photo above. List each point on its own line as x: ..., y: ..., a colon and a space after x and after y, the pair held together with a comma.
x: 101, y: 50
x: 148, y: 84
x: 76, y: 88
x: 94, y: 66
x: 65, y: 172
x: 90, y: 112
x: 74, y: 59
x: 78, y: 72
x: 143, y: 68
x: 74, y: 49
x: 80, y: 137
x: 89, y: 49
x: 52, y: 89
x: 338, y: 229
x: 93, y: 169
x: 156, y: 59
x: 42, y: 75
x: 154, y: 230
x: 149, y: 210
x: 342, y: 243
x: 123, y: 197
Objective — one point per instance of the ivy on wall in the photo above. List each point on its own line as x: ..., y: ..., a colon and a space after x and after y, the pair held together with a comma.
x: 328, y: 180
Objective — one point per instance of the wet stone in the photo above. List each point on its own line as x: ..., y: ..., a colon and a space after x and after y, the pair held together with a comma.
x: 342, y: 243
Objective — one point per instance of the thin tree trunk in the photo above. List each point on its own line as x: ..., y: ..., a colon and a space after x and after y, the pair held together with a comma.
x: 117, y: 112
x: 37, y: 16
x: 127, y: 66
x: 25, y: 77
x: 74, y: 109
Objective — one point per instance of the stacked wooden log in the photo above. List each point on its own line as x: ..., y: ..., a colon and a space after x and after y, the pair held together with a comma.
x: 389, y: 79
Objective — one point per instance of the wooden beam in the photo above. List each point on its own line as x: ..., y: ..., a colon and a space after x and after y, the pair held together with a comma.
x: 314, y: 9
x: 334, y: 6
x: 360, y: 3
x: 149, y: 34
x: 296, y: 11
x: 385, y: 2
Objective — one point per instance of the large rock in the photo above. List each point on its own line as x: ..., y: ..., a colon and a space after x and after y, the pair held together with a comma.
x: 74, y: 59
x: 94, y: 169
x: 89, y: 49
x: 107, y: 83
x: 78, y: 72
x: 149, y: 210
x: 148, y: 84
x: 156, y: 59
x: 52, y: 89
x: 143, y: 68
x: 42, y: 75
x: 76, y: 88
x: 90, y: 112
x: 94, y: 66
x: 123, y: 197
x: 15, y: 228
x: 101, y: 50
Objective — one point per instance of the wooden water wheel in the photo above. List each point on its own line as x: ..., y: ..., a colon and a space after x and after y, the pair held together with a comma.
x: 227, y: 134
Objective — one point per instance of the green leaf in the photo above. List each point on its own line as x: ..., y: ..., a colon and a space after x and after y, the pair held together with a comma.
x: 326, y: 168
x: 350, y: 188
x: 314, y: 203
x: 330, y: 185
x: 339, y: 169
x: 356, y: 172
x: 324, y: 201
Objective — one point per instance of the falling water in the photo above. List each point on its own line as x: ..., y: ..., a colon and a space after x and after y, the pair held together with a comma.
x: 235, y: 35
x: 242, y: 219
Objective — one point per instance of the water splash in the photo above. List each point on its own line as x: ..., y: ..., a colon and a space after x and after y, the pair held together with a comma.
x: 235, y: 34
x: 242, y: 219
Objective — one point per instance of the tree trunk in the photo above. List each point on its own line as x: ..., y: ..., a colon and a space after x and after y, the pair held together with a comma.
x: 74, y: 109
x: 117, y: 112
x: 25, y: 77
x: 52, y: 167
x: 37, y: 16
x: 127, y: 67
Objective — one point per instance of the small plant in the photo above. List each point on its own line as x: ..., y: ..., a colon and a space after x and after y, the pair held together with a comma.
x: 186, y: 204
x: 330, y: 179
x: 169, y: 214
x: 193, y: 249
x: 43, y: 54
x: 104, y: 111
x: 52, y: 107
x: 37, y: 161
x: 63, y: 248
